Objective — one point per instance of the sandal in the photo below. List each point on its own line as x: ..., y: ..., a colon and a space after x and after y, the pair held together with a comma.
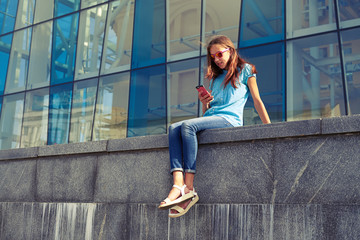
x: 184, y: 196
x: 182, y: 211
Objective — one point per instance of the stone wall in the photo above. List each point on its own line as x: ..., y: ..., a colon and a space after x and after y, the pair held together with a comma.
x: 293, y: 180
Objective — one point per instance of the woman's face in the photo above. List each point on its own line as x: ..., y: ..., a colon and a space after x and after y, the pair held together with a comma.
x: 220, y: 55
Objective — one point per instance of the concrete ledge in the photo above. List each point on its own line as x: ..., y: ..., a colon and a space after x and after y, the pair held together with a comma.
x: 138, y: 143
x: 19, y: 153
x: 348, y: 124
x: 73, y: 148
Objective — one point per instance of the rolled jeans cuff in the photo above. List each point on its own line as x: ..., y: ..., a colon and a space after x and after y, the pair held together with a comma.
x: 176, y: 169
x: 190, y: 171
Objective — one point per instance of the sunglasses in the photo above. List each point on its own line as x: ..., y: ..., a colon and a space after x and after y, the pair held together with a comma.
x: 219, y: 54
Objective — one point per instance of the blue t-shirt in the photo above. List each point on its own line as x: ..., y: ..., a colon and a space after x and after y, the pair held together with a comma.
x: 229, y: 102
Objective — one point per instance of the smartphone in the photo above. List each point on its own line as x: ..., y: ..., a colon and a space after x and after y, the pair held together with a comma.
x: 201, y: 89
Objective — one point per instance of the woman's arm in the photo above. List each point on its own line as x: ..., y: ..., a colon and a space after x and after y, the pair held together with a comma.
x: 205, y: 100
x: 259, y: 105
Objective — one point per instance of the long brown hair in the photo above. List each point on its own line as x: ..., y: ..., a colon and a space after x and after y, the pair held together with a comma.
x: 234, y: 63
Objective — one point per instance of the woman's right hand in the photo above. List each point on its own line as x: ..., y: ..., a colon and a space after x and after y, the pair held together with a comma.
x: 205, y: 100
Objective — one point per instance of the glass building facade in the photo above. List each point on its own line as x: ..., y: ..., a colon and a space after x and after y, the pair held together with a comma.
x: 88, y: 70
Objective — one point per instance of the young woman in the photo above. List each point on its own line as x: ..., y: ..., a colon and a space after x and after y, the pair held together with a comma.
x: 231, y: 80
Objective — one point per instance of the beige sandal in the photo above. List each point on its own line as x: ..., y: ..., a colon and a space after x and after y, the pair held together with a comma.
x: 182, y: 211
x: 184, y: 196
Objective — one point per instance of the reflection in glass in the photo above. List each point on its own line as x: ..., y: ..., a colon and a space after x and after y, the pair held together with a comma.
x: 349, y: 13
x: 89, y: 3
x: 91, y: 35
x: 351, y: 51
x: 59, y: 115
x: 34, y: 130
x: 112, y: 107
x: 63, y: 7
x: 183, y: 98
x: 5, y: 43
x: 8, y: 10
x: 261, y: 21
x: 221, y: 18
x: 19, y: 61
x: 268, y: 60
x: 118, y: 37
x: 25, y: 13
x: 314, y: 78
x: 83, y: 108
x: 10, y: 122
x: 63, y: 49
x: 149, y: 33
x: 309, y: 17
x: 42, y: 12
x: 40, y: 56
x: 147, y: 110
x: 183, y: 27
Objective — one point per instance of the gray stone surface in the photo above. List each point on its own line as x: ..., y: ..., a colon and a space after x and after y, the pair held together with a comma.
x: 263, y: 131
x: 63, y: 179
x: 346, y: 124
x: 133, y: 177
x: 74, y: 148
x: 318, y: 170
x: 235, y: 173
x: 138, y: 143
x: 19, y: 153
x: 17, y: 180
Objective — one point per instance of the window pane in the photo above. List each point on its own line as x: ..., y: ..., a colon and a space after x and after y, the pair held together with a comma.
x: 270, y: 79
x: 89, y: 3
x: 149, y: 33
x: 112, y: 107
x: 314, y: 79
x: 309, y: 17
x: 59, y: 115
x: 118, y: 37
x: 19, y: 59
x: 221, y: 18
x: 5, y: 46
x: 34, y: 130
x: 183, y: 99
x: 83, y: 110
x: 42, y: 12
x: 147, y: 111
x: 261, y: 21
x: 63, y: 49
x: 63, y: 7
x: 91, y: 37
x: 11, y: 119
x: 25, y: 13
x: 183, y: 26
x: 40, y: 56
x: 349, y: 13
x: 351, y: 51
x: 7, y: 15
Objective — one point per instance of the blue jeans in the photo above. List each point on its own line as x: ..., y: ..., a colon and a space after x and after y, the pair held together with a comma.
x: 183, y: 144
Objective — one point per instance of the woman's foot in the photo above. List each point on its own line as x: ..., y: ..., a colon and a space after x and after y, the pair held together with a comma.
x: 182, y: 208
x: 177, y: 195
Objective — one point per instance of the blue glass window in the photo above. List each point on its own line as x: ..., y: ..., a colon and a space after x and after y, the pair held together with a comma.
x: 314, y: 83
x: 112, y: 107
x: 5, y: 46
x: 261, y: 22
x: 147, y: 106
x: 183, y: 97
x: 59, y: 114
x: 25, y: 13
x: 269, y: 62
x: 19, y: 61
x: 64, y: 49
x: 63, y: 7
x: 11, y: 121
x: 349, y: 13
x: 149, y: 33
x: 82, y: 113
x: 351, y: 50
x: 8, y: 10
